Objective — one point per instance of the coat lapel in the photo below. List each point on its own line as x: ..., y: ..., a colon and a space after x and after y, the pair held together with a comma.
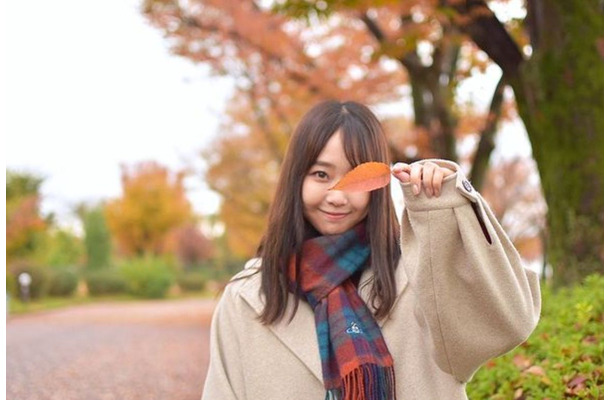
x: 299, y: 336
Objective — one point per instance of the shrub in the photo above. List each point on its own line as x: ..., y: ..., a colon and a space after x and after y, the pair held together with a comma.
x: 147, y: 277
x: 219, y: 271
x: 63, y: 281
x: 12, y: 288
x: 105, y: 281
x: 191, y: 281
x: 562, y: 358
x: 40, y: 279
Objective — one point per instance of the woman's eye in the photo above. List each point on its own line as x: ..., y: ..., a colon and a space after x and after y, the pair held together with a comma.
x: 320, y: 174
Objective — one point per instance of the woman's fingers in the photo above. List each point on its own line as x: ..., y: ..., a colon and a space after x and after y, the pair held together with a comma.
x: 427, y: 175
x: 402, y: 172
x: 437, y: 181
x: 416, y: 178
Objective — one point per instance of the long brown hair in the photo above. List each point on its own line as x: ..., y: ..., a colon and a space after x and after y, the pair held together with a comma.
x: 363, y: 141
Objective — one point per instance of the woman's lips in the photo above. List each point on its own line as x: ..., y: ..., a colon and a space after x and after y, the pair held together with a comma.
x: 334, y: 216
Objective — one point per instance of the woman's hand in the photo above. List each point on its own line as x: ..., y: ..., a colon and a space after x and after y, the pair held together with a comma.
x: 427, y: 176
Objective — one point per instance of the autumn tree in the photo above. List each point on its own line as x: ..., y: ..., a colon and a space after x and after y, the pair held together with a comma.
x: 419, y: 37
x: 24, y: 222
x: 189, y: 245
x: 153, y: 203
x: 342, y: 51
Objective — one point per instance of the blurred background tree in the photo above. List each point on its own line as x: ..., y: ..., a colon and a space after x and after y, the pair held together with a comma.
x: 285, y: 56
x: 34, y: 244
x: 61, y: 247
x: 97, y: 238
x: 190, y: 246
x: 153, y: 203
x: 24, y: 221
x: 159, y: 240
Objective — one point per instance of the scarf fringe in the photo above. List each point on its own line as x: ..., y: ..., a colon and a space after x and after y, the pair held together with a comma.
x: 367, y: 382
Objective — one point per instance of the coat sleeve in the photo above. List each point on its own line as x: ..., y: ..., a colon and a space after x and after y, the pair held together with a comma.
x: 475, y: 300
x: 224, y: 379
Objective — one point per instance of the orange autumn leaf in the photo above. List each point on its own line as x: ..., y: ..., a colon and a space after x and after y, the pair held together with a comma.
x: 364, y: 178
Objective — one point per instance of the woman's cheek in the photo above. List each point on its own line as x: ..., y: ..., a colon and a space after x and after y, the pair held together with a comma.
x: 361, y: 200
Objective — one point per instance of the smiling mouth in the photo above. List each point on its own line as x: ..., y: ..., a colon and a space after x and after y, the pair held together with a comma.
x: 334, y: 216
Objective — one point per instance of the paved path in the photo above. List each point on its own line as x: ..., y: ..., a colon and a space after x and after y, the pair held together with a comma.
x: 106, y: 351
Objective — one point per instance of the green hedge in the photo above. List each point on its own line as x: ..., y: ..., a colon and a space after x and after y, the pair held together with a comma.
x: 105, y: 281
x: 563, y: 358
x: 147, y: 277
x: 63, y: 281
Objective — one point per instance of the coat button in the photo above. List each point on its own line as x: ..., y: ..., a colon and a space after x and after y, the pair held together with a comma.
x: 467, y: 185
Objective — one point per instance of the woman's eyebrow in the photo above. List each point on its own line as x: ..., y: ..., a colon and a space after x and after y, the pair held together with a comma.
x: 326, y: 164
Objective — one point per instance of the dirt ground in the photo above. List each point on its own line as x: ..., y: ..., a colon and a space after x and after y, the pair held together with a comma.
x: 124, y: 351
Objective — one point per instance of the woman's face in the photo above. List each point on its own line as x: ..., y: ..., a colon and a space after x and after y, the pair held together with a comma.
x: 332, y: 212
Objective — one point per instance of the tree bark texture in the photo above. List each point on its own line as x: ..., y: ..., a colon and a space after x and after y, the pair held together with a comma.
x: 559, y: 92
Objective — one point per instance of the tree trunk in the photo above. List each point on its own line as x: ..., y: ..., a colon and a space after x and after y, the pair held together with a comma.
x: 487, y: 141
x: 559, y: 92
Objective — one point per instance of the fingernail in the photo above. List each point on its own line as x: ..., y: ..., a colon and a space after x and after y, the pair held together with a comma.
x: 415, y: 190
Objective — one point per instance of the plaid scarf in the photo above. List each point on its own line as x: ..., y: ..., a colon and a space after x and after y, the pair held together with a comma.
x: 356, y: 363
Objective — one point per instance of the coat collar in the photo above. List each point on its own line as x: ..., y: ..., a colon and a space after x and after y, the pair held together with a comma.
x: 299, y: 336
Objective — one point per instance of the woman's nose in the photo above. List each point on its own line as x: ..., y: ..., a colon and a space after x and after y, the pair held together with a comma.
x: 336, y: 198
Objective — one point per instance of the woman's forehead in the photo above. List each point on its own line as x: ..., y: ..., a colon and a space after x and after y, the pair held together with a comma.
x: 333, y: 154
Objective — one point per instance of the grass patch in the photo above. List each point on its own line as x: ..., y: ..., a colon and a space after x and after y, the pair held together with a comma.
x: 564, y: 356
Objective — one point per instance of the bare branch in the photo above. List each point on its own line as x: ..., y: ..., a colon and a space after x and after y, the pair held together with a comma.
x: 487, y: 32
x: 487, y: 137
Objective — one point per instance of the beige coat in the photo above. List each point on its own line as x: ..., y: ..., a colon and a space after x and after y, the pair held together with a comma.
x: 461, y: 301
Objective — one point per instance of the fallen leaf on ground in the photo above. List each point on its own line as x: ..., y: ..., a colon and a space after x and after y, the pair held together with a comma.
x: 577, y: 380
x: 521, y: 361
x: 535, y: 370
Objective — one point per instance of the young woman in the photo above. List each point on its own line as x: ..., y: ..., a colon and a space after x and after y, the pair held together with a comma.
x: 342, y: 303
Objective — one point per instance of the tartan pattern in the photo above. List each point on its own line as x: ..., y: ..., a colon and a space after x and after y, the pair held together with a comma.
x: 356, y: 363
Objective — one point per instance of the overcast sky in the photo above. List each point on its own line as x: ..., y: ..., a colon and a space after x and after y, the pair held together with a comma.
x: 88, y: 85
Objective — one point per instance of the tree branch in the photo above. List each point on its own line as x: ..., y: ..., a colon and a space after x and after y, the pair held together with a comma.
x: 487, y: 138
x: 487, y: 32
x: 408, y: 60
